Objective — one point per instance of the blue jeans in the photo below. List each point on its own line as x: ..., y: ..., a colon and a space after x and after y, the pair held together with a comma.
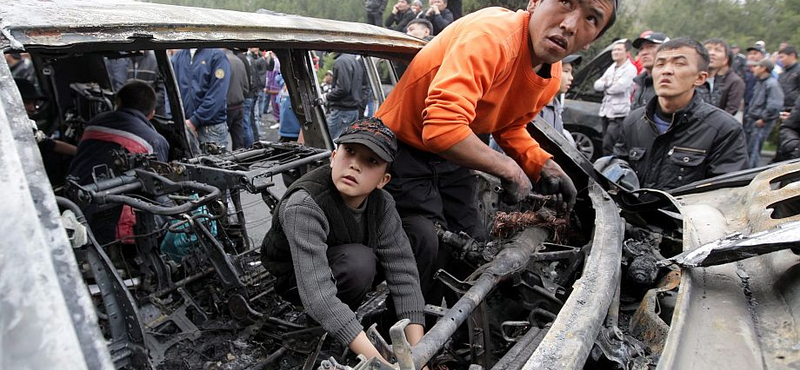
x: 258, y: 108
x: 217, y: 134
x: 755, y: 140
x: 247, y: 120
x: 339, y: 119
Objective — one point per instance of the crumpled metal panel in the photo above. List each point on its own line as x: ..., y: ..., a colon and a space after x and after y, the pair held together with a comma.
x: 740, y: 315
x: 47, y: 320
x: 63, y: 23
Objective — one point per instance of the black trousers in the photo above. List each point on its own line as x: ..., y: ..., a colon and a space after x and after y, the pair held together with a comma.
x: 354, y: 268
x: 429, y: 189
x: 612, y: 129
x: 236, y: 126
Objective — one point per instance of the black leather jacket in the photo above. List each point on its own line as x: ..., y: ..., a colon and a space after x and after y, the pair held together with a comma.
x: 643, y: 90
x: 702, y: 142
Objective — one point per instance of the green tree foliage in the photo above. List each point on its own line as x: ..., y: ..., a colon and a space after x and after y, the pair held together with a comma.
x: 738, y: 21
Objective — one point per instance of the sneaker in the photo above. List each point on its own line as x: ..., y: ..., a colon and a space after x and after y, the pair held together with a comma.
x: 275, y: 126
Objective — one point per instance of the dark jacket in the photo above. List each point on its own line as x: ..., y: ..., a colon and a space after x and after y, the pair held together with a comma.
x: 239, y: 87
x: 440, y: 21
x: 399, y: 21
x: 275, y: 252
x: 258, y: 72
x: 790, y: 84
x: 375, y: 5
x: 203, y: 82
x: 789, y: 135
x: 727, y: 94
x: 702, y: 142
x: 766, y: 102
x: 348, y: 77
x: 145, y: 68
x: 643, y: 90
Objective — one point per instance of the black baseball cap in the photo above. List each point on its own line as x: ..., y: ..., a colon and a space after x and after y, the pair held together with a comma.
x: 372, y: 133
x: 573, y: 59
x: 657, y: 38
x: 757, y: 48
x: 27, y: 90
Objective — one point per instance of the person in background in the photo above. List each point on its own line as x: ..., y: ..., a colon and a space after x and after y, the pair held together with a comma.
x: 204, y: 76
x: 239, y: 87
x: 347, y: 98
x: 420, y: 28
x: 764, y: 108
x: 22, y: 67
x: 273, y: 89
x: 789, y: 134
x: 258, y: 84
x: 290, y: 125
x: 643, y: 89
x: 439, y: 16
x: 617, y: 87
x: 790, y: 78
x: 739, y: 64
x: 723, y: 89
x: 400, y: 16
x: 677, y: 138
x: 127, y: 128
x: 416, y: 7
x: 374, y: 9
x: 327, y: 82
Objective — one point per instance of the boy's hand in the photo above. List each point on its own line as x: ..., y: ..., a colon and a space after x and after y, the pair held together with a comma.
x: 516, y: 187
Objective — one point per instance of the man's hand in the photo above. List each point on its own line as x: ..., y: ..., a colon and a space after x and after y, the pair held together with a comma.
x: 394, y: 9
x: 760, y: 123
x: 516, y: 187
x: 553, y: 180
x: 785, y: 115
x: 191, y: 127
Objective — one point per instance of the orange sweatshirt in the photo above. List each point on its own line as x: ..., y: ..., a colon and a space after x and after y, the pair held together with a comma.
x: 476, y: 76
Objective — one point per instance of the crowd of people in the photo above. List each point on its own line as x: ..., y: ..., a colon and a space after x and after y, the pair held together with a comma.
x: 674, y: 125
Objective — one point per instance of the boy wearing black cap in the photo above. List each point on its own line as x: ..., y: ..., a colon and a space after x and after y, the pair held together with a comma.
x: 335, y: 228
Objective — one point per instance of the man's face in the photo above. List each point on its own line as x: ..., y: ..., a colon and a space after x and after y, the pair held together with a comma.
x: 402, y: 5
x: 417, y: 30
x: 566, y: 78
x: 618, y: 53
x: 559, y: 28
x: 30, y: 107
x: 356, y: 171
x: 676, y: 72
x: 416, y: 8
x: 759, y: 71
x: 735, y: 50
x: 647, y: 54
x: 754, y: 55
x: 787, y: 60
x: 439, y: 4
x: 716, y: 53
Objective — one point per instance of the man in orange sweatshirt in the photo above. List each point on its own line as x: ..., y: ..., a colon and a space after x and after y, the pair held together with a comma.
x: 488, y: 73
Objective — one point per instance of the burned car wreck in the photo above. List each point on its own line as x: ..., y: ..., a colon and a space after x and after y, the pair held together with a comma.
x: 606, y: 287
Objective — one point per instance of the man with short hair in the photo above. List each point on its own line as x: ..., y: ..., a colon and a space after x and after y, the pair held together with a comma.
x: 127, y: 128
x: 643, y: 83
x: 490, y: 72
x: 677, y: 138
x: 764, y: 108
x: 754, y: 54
x: 617, y: 87
x: 739, y: 63
x: 439, y: 16
x: 790, y: 78
x: 723, y: 88
x: 238, y: 91
x: 203, y: 77
x: 420, y: 28
x: 400, y: 16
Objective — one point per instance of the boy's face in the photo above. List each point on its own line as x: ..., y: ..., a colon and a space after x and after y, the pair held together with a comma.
x: 566, y: 78
x: 417, y: 30
x: 357, y: 171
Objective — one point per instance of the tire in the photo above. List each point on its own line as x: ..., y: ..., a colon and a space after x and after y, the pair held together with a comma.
x: 589, y: 146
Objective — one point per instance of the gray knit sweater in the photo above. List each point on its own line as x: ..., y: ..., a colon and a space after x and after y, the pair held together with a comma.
x: 306, y: 229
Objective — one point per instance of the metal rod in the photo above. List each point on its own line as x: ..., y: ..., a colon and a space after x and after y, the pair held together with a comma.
x: 511, y: 259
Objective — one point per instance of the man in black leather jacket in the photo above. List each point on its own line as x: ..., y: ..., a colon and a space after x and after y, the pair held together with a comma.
x: 677, y: 138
